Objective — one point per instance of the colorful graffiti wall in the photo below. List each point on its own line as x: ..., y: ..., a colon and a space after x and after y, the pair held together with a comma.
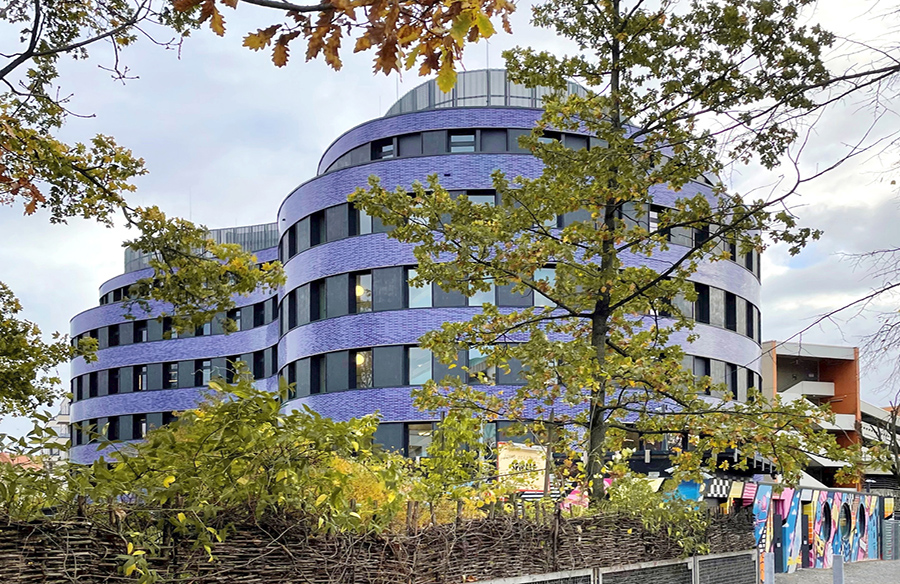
x: 807, y: 528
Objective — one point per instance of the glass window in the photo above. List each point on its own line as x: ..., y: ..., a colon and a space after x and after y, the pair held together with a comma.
x: 291, y: 307
x: 478, y: 364
x: 114, y: 335
x: 117, y: 295
x: 140, y: 331
x: 170, y: 375
x: 112, y: 429
x: 204, y: 330
x: 93, y: 430
x: 362, y: 361
x: 112, y: 382
x: 418, y: 439
x: 317, y: 228
x: 730, y: 311
x: 259, y: 314
x: 169, y: 331
x: 317, y: 374
x: 235, y: 315
x: 259, y: 364
x: 382, y: 149
x: 549, y: 137
x: 419, y: 365
x: 292, y: 241
x: 362, y: 292
x: 482, y: 197
x: 418, y: 297
x: 654, y: 215
x: 482, y: 297
x: 140, y: 378
x: 702, y: 368
x: 93, y: 384
x: 202, y: 372
x: 845, y: 520
x: 548, y: 274
x: 317, y: 304
x: 731, y: 379
x: 701, y: 308
x: 361, y: 223
x: 138, y: 426
x: 462, y: 141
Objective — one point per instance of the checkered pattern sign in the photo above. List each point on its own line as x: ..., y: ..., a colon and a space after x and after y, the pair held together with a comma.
x: 718, y: 488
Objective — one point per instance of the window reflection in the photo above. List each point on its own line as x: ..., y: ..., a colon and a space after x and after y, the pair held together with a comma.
x: 419, y: 365
x: 548, y: 274
x: 419, y: 438
x: 362, y: 291
x: 364, y: 373
x: 418, y: 297
x: 463, y: 141
x: 478, y: 364
x: 482, y: 297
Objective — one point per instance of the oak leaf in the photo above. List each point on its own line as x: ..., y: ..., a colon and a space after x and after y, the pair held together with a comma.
x: 261, y: 38
x: 207, y: 9
x: 280, y: 55
x: 217, y: 24
x: 184, y: 5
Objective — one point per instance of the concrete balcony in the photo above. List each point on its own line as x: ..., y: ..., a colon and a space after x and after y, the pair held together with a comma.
x: 841, y: 422
x: 812, y: 388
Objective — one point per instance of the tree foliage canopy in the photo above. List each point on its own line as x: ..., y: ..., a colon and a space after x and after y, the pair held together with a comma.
x: 674, y: 92
x: 193, y: 276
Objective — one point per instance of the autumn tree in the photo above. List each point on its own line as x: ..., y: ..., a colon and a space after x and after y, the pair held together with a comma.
x: 674, y: 93
x: 192, y: 274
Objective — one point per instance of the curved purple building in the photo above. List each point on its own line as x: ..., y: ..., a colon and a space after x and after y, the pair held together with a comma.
x: 345, y: 326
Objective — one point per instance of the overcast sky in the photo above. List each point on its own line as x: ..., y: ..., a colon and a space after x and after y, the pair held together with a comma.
x: 226, y: 136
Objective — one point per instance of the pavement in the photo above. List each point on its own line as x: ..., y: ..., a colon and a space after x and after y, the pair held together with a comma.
x: 871, y: 572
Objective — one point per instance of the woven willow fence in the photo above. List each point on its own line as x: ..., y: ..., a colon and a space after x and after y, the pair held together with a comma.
x: 465, y: 551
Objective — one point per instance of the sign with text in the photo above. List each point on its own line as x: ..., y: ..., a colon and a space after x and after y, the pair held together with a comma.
x: 522, y: 464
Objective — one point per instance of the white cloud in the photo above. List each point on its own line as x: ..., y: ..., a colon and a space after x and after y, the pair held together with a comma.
x: 227, y: 136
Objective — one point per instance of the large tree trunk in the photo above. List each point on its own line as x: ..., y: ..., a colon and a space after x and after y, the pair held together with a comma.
x: 597, y: 424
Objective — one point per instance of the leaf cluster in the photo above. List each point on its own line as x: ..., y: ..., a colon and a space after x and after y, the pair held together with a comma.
x: 28, y: 377
x: 668, y: 89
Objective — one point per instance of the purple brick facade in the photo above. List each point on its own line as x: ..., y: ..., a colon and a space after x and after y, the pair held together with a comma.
x: 361, y: 253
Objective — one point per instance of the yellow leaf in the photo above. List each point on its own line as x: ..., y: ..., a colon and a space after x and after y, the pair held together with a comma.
x: 217, y: 24
x: 362, y: 43
x: 321, y: 499
x: 458, y: 31
x: 484, y: 24
x: 168, y: 481
x: 215, y: 385
x: 130, y: 569
x: 181, y: 518
x: 261, y: 38
x: 280, y: 55
x: 446, y: 78
x: 130, y: 548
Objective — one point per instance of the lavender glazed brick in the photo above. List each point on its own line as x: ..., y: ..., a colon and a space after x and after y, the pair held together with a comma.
x: 443, y: 119
x: 129, y: 278
x: 397, y: 327
x: 237, y: 343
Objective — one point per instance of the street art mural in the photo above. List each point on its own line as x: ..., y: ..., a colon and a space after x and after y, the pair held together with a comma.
x: 808, y: 528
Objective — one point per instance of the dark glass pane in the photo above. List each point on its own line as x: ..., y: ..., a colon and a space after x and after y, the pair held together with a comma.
x: 419, y: 365
x: 362, y: 361
x: 362, y: 291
